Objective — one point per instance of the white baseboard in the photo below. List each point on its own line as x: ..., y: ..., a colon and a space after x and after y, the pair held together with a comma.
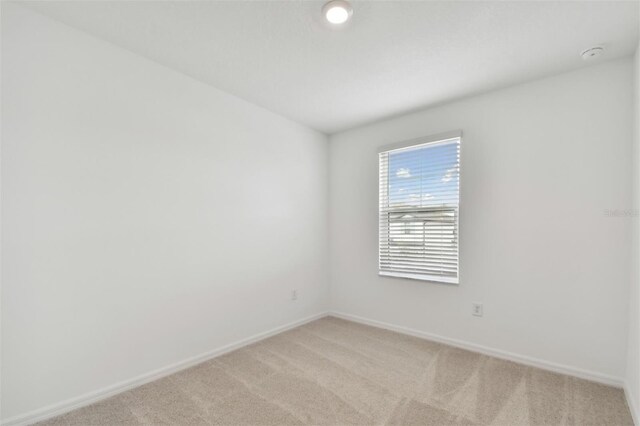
x: 633, y: 406
x: 100, y: 394
x: 497, y: 353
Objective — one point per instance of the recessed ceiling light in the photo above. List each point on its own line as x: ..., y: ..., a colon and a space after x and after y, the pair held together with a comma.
x: 337, y: 11
x: 592, y: 53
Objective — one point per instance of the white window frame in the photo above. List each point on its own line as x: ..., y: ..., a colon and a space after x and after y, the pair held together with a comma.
x: 410, y: 144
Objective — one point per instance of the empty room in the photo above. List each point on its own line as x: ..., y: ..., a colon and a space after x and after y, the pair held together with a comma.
x: 334, y: 212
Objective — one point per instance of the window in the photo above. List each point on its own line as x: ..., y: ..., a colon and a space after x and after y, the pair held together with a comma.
x: 419, y: 206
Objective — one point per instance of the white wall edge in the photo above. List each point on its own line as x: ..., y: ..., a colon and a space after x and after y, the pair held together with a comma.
x: 106, y: 392
x: 631, y: 402
x: 497, y: 353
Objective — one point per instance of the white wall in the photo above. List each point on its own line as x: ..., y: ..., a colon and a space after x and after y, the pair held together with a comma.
x: 147, y: 217
x: 541, y: 162
x: 632, y: 377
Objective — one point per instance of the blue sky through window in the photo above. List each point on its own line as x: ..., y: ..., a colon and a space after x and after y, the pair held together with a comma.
x: 424, y: 177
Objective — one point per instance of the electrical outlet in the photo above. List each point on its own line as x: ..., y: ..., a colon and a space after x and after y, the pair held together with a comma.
x: 477, y: 309
x: 294, y: 294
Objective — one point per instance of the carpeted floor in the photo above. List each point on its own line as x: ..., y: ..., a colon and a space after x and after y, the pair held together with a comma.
x: 332, y: 372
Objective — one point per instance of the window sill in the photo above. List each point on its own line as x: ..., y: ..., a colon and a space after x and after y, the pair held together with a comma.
x: 420, y: 277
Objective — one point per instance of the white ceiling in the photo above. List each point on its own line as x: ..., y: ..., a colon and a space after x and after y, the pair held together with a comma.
x: 393, y: 57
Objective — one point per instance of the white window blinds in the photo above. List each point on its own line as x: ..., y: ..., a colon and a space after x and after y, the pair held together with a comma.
x: 419, y: 204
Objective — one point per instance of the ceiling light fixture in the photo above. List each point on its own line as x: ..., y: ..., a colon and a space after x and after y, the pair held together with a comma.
x: 337, y: 11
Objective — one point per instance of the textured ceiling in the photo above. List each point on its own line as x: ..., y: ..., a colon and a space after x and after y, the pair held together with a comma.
x: 393, y: 57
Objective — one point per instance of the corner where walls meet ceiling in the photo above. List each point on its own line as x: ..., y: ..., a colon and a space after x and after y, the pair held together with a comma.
x: 390, y: 58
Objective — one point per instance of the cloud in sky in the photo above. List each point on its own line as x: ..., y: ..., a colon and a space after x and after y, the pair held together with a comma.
x: 403, y: 172
x: 449, y: 175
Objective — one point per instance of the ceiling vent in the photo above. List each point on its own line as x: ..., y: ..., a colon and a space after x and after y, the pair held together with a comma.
x: 592, y: 53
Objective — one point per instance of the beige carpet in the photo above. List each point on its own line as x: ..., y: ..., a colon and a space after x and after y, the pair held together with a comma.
x: 332, y: 372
